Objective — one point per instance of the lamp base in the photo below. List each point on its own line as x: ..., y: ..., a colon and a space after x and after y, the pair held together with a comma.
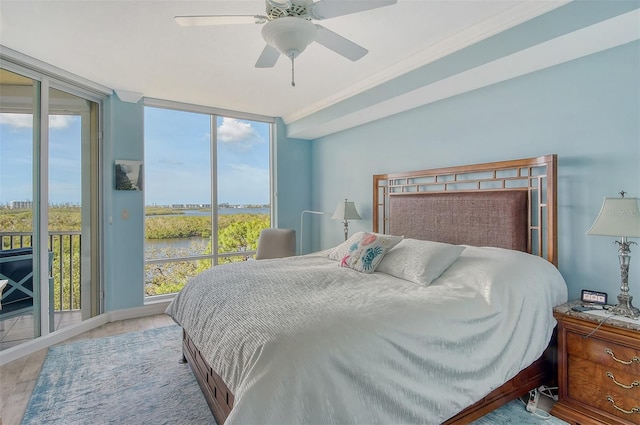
x: 624, y: 307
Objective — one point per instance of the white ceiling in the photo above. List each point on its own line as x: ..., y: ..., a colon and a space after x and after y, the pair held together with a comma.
x: 136, y: 46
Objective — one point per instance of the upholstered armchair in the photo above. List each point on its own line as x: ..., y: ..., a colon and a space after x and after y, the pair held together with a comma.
x: 276, y: 243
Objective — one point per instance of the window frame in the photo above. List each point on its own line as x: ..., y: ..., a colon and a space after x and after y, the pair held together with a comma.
x: 214, y: 114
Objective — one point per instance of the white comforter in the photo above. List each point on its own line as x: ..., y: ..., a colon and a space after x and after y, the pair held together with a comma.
x: 303, y: 341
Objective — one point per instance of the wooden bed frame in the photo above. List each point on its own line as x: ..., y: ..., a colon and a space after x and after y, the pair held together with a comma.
x: 510, y: 204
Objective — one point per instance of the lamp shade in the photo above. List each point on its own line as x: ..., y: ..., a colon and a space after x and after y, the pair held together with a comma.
x: 346, y: 210
x: 618, y: 217
x: 289, y: 35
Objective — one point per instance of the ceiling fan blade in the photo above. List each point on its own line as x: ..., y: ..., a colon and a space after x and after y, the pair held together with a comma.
x: 325, y: 9
x: 268, y: 57
x: 339, y: 44
x: 190, y: 21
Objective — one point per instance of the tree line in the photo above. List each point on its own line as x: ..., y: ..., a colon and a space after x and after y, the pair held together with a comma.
x: 237, y: 233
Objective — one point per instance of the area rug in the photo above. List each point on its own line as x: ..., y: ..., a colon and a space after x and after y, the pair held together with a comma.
x: 136, y: 379
x: 131, y: 379
x: 515, y: 413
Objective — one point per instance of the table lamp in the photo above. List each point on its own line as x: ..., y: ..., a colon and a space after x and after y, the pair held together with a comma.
x: 620, y: 217
x: 346, y: 211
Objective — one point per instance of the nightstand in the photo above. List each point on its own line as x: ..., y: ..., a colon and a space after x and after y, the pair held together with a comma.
x: 598, y: 368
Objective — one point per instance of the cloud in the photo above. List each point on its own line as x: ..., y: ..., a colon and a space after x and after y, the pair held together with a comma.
x: 56, y: 122
x: 237, y: 133
x: 17, y: 120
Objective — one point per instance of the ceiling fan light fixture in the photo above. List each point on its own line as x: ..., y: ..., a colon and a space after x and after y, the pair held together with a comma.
x: 289, y: 35
x: 281, y: 4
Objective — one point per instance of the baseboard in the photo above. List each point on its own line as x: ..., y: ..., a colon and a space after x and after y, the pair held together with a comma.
x: 148, y: 309
x: 30, y: 347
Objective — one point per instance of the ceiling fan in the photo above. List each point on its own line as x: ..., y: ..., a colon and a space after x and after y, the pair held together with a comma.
x: 288, y: 27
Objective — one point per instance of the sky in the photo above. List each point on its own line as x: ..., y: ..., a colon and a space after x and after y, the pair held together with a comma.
x: 177, y: 161
x: 178, y: 157
x: 16, y: 158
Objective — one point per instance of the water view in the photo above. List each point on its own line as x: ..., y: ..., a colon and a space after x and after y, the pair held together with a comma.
x: 162, y: 248
x: 174, y: 233
x: 221, y: 211
x: 170, y: 234
x: 194, y: 245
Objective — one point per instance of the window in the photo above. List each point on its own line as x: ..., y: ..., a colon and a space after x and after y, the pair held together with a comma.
x: 207, y: 192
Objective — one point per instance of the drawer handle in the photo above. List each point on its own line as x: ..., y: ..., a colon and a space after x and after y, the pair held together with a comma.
x: 620, y: 384
x: 634, y: 359
x: 627, y: 412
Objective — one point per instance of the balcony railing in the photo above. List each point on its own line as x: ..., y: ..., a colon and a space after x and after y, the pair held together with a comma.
x: 67, y: 271
x: 66, y: 268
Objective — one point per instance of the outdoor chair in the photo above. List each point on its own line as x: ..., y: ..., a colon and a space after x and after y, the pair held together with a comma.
x: 16, y: 266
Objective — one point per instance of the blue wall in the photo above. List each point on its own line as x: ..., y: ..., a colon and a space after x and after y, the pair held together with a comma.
x: 587, y: 111
x: 123, y: 213
x: 292, y: 161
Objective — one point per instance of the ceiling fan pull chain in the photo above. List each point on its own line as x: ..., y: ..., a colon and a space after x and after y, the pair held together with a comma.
x: 293, y: 83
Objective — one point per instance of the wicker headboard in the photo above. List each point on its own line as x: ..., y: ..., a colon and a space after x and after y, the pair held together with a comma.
x: 507, y: 204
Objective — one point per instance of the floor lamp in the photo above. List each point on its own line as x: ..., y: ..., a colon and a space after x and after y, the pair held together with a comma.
x: 302, y: 225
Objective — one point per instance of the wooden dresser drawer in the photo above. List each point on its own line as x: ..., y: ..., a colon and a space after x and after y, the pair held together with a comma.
x: 594, y: 385
x: 604, y: 353
x: 598, y: 368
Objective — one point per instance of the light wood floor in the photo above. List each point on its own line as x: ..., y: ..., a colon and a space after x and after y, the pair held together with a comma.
x: 18, y: 378
x: 19, y: 329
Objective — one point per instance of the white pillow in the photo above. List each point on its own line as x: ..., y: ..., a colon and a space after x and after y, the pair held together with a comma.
x: 364, y: 251
x: 419, y: 261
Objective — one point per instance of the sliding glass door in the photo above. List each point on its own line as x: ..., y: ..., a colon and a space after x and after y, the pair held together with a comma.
x: 73, y: 205
x: 19, y: 272
x: 49, y: 198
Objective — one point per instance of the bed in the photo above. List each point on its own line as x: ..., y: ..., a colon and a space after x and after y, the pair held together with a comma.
x: 442, y: 313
